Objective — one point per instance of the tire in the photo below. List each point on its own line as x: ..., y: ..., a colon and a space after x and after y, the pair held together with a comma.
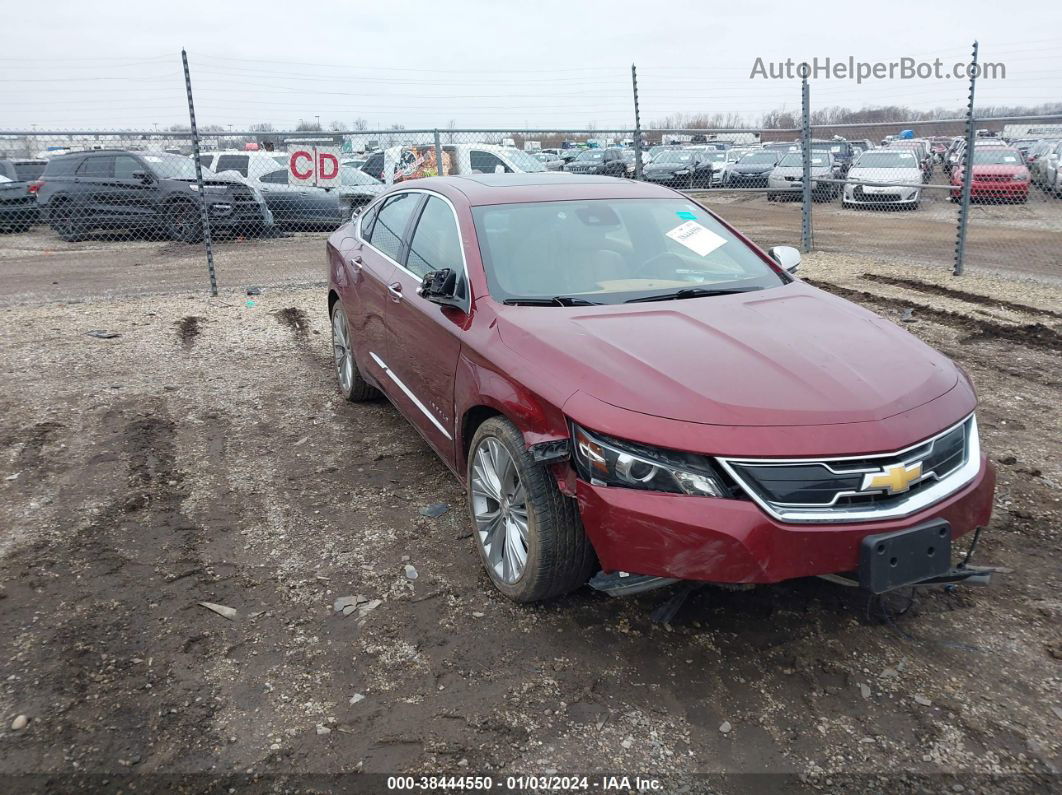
x: 557, y: 557
x: 184, y: 222
x: 62, y: 219
x: 351, y: 385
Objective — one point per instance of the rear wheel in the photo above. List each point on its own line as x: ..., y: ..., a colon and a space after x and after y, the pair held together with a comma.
x: 528, y: 534
x: 351, y: 384
x: 64, y: 222
x: 184, y: 222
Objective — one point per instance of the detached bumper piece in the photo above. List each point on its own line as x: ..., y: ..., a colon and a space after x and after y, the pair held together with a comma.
x: 623, y: 584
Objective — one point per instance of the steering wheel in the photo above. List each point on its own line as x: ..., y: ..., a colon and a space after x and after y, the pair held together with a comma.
x: 663, y: 256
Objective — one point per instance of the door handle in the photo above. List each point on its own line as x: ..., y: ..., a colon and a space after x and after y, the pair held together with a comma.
x: 356, y: 262
x: 395, y: 289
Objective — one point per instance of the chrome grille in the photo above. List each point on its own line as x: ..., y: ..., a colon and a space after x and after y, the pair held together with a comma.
x: 841, y: 489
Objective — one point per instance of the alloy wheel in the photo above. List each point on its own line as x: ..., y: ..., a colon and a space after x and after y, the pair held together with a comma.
x: 499, y: 507
x: 341, y: 349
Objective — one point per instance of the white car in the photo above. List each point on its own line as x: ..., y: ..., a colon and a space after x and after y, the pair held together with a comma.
x: 253, y: 165
x: 399, y: 163
x: 884, y: 177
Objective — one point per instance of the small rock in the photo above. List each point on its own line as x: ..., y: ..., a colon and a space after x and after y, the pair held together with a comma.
x: 907, y: 316
x: 725, y: 727
x: 434, y: 510
x: 411, y: 572
x: 254, y: 291
x: 13, y: 477
x: 19, y: 723
x: 102, y: 335
x: 477, y: 615
x: 274, y: 747
x: 628, y: 741
x: 462, y: 762
x: 889, y: 673
x: 322, y: 729
x: 920, y: 699
x: 354, y: 699
x: 864, y: 691
x: 1057, y: 711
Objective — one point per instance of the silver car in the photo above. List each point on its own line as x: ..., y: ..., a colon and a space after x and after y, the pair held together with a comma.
x: 884, y: 178
x: 787, y: 178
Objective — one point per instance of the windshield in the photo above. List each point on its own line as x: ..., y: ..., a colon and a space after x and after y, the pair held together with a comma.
x: 718, y: 156
x: 674, y: 156
x: 590, y: 154
x: 762, y: 158
x: 796, y: 159
x: 612, y: 250
x: 168, y: 166
x: 354, y: 176
x: 890, y: 159
x: 996, y: 157
x: 523, y: 161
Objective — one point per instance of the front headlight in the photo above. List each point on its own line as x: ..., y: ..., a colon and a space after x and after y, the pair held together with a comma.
x: 682, y: 172
x: 1019, y: 178
x: 605, y: 461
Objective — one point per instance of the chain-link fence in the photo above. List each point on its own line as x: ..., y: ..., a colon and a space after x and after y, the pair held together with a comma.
x: 238, y: 207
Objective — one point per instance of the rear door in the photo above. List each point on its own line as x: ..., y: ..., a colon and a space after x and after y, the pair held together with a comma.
x: 423, y: 338
x: 372, y: 259
x: 131, y: 199
x: 94, y: 177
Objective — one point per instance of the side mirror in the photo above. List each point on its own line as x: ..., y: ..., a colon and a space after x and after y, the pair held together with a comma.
x: 440, y: 287
x: 142, y: 177
x: 786, y: 256
x: 356, y: 211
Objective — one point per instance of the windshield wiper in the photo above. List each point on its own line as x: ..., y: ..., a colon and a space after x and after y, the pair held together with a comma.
x: 557, y: 300
x: 691, y: 292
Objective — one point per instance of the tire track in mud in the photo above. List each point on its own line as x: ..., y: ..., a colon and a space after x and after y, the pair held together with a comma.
x: 1034, y: 335
x: 108, y: 646
x: 961, y: 295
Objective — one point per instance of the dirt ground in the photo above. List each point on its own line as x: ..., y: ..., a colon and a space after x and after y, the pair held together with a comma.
x: 204, y: 455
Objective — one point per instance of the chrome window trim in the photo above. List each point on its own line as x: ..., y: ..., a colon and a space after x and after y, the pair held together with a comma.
x: 944, y: 487
x: 467, y: 303
x: 409, y: 394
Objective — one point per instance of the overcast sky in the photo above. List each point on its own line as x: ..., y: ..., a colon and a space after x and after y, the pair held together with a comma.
x: 482, y: 63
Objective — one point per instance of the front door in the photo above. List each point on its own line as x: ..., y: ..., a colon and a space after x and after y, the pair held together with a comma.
x: 423, y: 338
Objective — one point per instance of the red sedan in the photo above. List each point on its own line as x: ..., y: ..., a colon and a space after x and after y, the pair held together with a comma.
x: 624, y: 382
x: 999, y: 174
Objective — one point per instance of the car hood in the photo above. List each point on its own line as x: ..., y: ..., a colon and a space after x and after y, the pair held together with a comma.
x: 668, y: 166
x: 797, y: 171
x: 792, y: 355
x: 892, y: 176
x: 997, y: 170
x: 750, y: 169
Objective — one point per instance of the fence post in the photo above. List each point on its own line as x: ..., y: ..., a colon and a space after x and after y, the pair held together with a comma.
x: 805, y: 151
x: 203, y: 214
x: 967, y: 172
x: 438, y: 153
x: 637, y: 126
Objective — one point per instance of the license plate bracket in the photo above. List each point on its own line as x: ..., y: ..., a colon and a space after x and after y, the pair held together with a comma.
x: 903, y: 557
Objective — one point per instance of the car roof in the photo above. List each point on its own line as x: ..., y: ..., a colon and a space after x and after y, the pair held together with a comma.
x: 483, y: 189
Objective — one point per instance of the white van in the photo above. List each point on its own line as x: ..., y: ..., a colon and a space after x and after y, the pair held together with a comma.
x: 399, y: 163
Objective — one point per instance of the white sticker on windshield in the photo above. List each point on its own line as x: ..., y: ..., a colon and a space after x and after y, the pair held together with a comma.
x: 696, y: 238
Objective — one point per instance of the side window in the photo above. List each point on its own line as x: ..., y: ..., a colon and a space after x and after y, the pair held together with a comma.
x: 374, y: 165
x: 232, y: 163
x: 436, y: 243
x: 391, y: 223
x: 206, y: 160
x: 124, y: 166
x: 98, y: 167
x: 485, y: 162
x: 276, y: 177
x: 368, y: 218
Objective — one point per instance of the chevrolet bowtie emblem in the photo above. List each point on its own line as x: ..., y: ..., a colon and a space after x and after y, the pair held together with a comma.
x: 894, y: 479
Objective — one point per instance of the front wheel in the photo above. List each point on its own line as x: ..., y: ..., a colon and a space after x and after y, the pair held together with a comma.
x: 529, y: 535
x: 184, y: 222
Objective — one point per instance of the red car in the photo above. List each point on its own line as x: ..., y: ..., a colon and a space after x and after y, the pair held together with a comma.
x: 999, y: 174
x: 623, y: 381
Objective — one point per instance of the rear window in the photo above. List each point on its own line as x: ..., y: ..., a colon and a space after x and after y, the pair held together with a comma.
x: 61, y: 166
x: 29, y: 171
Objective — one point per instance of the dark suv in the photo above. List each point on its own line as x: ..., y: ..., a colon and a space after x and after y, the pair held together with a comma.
x: 18, y: 205
x: 149, y: 192
x: 613, y: 162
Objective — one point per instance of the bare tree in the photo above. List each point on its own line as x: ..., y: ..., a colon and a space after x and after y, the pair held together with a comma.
x: 360, y: 124
x: 338, y: 126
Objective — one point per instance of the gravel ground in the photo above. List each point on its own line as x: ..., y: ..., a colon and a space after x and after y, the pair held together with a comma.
x: 203, y: 455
